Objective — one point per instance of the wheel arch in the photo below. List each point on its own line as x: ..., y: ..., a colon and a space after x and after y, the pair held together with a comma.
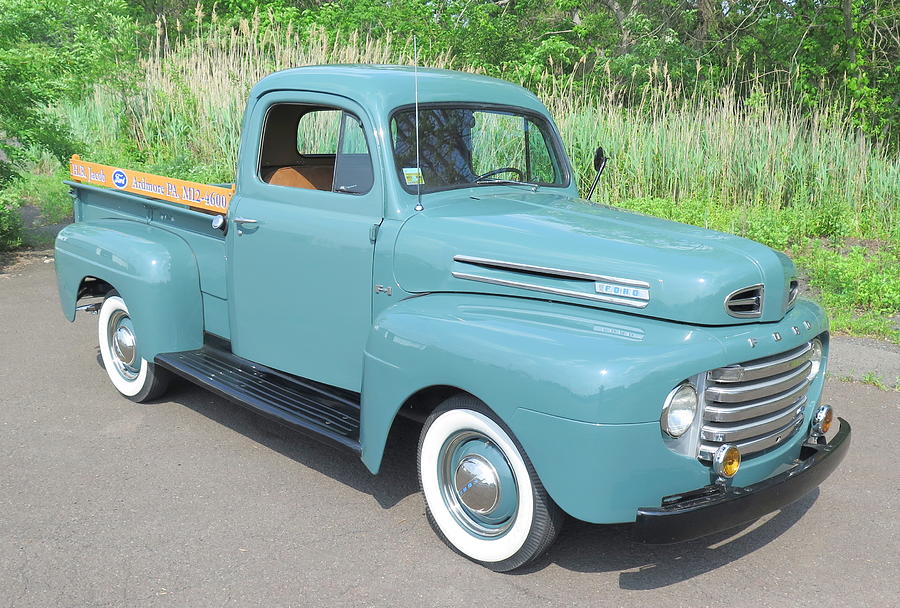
x: 422, y: 350
x: 92, y: 287
x: 420, y: 404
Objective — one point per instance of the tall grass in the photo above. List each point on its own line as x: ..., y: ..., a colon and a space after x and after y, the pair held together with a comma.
x: 184, y: 114
x: 720, y: 149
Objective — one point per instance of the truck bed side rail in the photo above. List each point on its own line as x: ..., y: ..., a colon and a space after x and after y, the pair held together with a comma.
x: 204, y: 197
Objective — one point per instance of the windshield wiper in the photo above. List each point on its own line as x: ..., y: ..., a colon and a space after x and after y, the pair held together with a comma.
x: 508, y: 182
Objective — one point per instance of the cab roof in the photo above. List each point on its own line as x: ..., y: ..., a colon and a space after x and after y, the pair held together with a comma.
x: 390, y: 86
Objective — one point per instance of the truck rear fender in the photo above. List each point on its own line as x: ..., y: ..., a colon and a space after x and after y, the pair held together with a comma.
x: 153, y: 270
x: 521, y: 354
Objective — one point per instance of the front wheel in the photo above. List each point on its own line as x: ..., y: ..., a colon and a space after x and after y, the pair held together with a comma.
x: 134, y: 377
x: 482, y: 495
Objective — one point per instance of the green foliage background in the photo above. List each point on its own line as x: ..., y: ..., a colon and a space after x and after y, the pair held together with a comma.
x: 53, y: 50
x: 773, y: 119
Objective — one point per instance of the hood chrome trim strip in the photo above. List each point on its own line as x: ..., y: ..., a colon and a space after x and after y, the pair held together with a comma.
x: 556, y: 272
x: 552, y: 290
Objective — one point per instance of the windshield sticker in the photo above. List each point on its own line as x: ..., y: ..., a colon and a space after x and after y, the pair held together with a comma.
x: 413, y: 176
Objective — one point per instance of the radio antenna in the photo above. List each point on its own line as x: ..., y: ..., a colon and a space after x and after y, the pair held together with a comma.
x: 419, y: 206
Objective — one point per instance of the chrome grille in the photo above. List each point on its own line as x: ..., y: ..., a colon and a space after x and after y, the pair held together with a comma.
x: 757, y: 404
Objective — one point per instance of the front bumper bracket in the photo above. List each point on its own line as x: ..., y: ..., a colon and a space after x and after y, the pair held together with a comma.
x: 716, y: 508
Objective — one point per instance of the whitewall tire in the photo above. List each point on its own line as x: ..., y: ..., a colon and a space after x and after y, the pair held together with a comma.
x: 482, y: 495
x: 134, y: 377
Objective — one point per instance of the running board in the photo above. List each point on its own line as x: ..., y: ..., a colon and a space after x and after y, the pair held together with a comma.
x: 323, y: 412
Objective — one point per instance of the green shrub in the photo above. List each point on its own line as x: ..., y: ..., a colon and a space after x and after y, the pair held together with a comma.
x: 50, y: 51
x: 46, y: 192
x: 10, y: 223
x: 859, y: 279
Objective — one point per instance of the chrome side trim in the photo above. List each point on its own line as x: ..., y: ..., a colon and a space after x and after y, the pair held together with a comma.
x: 556, y: 272
x: 552, y: 290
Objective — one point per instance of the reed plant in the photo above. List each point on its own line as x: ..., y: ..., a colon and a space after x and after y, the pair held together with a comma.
x: 183, y: 111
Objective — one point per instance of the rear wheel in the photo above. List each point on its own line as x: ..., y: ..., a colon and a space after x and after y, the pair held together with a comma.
x: 134, y: 377
x: 482, y: 495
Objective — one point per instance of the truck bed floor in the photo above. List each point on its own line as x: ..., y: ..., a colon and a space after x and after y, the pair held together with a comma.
x: 324, y: 412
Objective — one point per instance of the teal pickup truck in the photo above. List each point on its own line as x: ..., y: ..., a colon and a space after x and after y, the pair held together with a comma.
x: 404, y: 243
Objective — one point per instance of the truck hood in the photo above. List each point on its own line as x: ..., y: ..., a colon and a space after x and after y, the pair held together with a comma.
x: 558, y: 248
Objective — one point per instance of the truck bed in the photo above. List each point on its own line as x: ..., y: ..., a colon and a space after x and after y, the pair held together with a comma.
x: 94, y: 203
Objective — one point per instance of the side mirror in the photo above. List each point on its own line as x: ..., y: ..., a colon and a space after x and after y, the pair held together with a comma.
x: 600, y: 160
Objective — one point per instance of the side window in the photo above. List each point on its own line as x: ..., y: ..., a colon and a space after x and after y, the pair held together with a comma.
x: 315, y: 148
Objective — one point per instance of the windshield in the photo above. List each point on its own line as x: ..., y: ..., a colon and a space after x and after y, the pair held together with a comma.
x: 462, y: 146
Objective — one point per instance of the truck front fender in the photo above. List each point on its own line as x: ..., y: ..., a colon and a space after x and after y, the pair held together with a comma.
x: 153, y: 270
x: 571, y: 362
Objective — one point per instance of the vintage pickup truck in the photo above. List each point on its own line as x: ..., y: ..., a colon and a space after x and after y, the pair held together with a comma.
x: 412, y: 243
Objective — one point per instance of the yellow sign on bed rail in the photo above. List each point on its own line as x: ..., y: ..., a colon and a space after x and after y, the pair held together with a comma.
x: 198, y: 196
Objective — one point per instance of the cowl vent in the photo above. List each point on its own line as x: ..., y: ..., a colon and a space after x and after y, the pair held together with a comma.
x: 745, y: 303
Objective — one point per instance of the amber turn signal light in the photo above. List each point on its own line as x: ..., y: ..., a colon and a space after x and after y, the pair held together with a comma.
x: 822, y: 420
x: 727, y: 461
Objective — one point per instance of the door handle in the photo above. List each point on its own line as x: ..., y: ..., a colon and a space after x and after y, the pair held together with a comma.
x: 244, y: 220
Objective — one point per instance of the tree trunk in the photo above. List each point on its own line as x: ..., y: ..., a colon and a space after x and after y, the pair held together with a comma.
x: 709, y: 20
x: 621, y: 15
x: 847, y: 10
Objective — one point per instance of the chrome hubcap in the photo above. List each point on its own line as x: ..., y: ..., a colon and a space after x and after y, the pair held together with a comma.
x: 477, y: 484
x: 120, y: 337
x: 123, y: 343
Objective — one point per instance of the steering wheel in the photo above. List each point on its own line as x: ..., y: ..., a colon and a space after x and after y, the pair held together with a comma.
x: 499, y: 171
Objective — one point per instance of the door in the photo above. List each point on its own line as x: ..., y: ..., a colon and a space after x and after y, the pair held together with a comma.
x: 299, y: 238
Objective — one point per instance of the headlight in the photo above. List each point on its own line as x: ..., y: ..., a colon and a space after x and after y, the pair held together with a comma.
x: 679, y: 410
x: 815, y: 357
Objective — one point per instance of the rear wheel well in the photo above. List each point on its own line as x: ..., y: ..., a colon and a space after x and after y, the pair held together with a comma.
x: 92, y: 287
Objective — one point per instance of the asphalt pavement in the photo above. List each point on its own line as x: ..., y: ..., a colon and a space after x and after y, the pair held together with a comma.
x: 192, y: 502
